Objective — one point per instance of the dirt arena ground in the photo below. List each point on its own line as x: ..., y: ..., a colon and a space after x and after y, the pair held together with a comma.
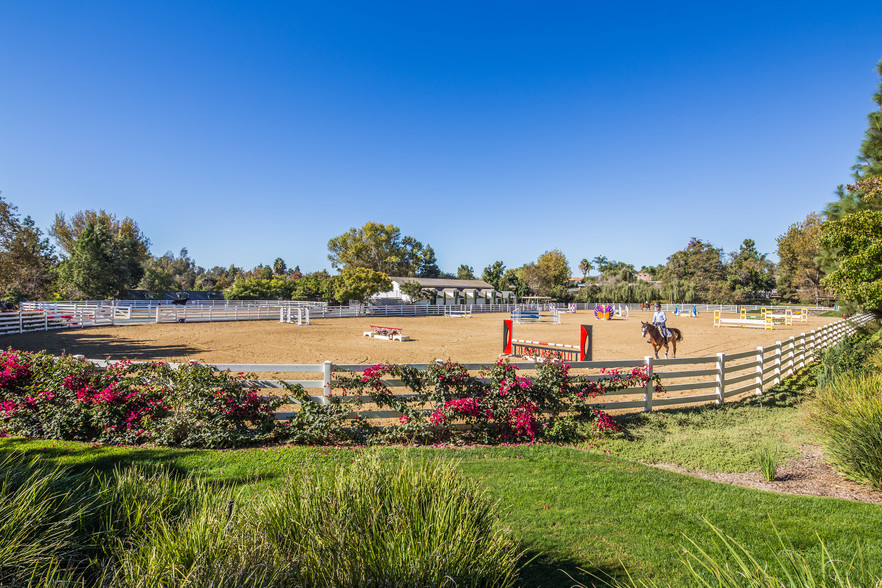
x: 476, y: 339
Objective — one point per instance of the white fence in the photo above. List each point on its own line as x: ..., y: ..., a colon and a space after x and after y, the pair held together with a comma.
x: 686, y: 381
x: 40, y: 320
x: 144, y: 311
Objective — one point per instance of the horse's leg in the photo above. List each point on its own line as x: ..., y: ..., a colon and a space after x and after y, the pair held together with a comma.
x: 674, y: 343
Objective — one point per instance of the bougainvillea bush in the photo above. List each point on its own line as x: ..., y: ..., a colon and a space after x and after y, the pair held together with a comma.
x: 192, y: 405
x: 196, y: 405
x: 447, y: 403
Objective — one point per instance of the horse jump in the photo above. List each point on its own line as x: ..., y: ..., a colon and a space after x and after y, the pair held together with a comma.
x: 686, y: 313
x: 297, y: 316
x: 789, y: 315
x: 534, y: 316
x: 766, y: 322
x: 387, y: 333
x: 542, y: 351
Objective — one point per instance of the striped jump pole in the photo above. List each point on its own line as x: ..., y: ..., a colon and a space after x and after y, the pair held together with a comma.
x: 545, y: 350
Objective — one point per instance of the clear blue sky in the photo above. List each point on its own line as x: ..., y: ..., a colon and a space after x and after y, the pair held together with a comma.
x: 247, y: 131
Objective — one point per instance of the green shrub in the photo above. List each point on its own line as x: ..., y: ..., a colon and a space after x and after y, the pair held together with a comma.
x: 851, y: 355
x: 848, y: 417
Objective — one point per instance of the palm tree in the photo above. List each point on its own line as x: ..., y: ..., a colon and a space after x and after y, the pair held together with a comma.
x: 600, y: 262
x: 585, y: 267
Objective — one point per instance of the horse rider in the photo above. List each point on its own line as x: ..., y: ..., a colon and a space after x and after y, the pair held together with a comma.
x: 659, y: 319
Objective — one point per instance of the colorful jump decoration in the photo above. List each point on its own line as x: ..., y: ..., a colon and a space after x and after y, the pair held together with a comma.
x: 542, y: 351
x: 604, y: 313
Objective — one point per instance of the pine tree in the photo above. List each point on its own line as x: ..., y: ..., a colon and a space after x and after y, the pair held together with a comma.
x: 870, y: 157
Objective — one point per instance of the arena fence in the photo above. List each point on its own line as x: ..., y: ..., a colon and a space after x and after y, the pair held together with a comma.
x: 87, y: 313
x: 686, y: 381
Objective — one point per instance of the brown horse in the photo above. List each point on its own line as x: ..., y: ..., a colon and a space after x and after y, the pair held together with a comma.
x: 645, y: 306
x: 657, y: 341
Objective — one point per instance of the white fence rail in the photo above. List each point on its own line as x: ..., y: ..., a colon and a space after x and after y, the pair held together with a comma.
x: 711, y: 379
x: 144, y: 311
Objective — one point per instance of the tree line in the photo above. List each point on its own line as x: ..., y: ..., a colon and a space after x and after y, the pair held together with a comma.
x: 833, y: 253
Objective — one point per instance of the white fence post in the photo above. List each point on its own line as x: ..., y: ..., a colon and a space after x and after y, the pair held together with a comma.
x: 326, y: 382
x: 778, y: 355
x: 759, y: 369
x: 648, y: 387
x: 721, y: 381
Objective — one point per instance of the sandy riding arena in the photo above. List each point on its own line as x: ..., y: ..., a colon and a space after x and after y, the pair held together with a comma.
x: 475, y: 339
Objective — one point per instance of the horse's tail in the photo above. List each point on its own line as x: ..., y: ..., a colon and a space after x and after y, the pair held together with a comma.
x: 677, y: 333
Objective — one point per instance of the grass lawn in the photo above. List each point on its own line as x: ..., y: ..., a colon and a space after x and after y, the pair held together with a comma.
x: 600, y: 510
x: 721, y: 438
x: 570, y: 509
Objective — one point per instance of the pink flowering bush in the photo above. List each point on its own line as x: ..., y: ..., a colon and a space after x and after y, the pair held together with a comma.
x: 195, y: 405
x: 498, y: 405
x: 214, y: 409
x: 42, y: 396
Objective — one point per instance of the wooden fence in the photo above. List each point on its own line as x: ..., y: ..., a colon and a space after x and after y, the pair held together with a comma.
x: 691, y: 380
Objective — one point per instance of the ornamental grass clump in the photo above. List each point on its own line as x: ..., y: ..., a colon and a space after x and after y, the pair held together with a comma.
x: 40, y: 517
x: 767, y: 459
x: 393, y: 522
x: 848, y: 416
x: 373, y: 522
x: 723, y: 562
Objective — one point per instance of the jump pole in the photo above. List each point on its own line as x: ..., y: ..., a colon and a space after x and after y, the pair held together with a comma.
x: 581, y: 352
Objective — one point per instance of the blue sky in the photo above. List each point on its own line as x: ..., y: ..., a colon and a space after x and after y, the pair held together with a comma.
x: 247, y: 131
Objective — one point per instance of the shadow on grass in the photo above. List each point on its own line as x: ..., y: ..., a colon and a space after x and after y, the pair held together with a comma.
x: 81, y: 458
x: 542, y: 571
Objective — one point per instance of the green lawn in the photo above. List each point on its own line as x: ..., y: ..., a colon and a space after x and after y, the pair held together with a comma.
x: 570, y: 509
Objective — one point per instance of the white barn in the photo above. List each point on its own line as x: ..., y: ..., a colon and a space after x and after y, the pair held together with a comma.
x: 446, y: 291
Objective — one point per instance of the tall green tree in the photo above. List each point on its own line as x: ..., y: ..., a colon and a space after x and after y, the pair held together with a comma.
x: 549, y: 275
x: 697, y: 274
x: 26, y: 259
x: 799, y: 269
x: 749, y: 272
x: 126, y: 247
x: 90, y: 270
x: 381, y: 248
x: 465, y: 272
x: 360, y: 283
x: 493, y: 273
x: 279, y: 267
x: 870, y: 157
x: 856, y: 240
x: 168, y: 272
x: 513, y: 281
x: 427, y: 265
x: 314, y: 286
